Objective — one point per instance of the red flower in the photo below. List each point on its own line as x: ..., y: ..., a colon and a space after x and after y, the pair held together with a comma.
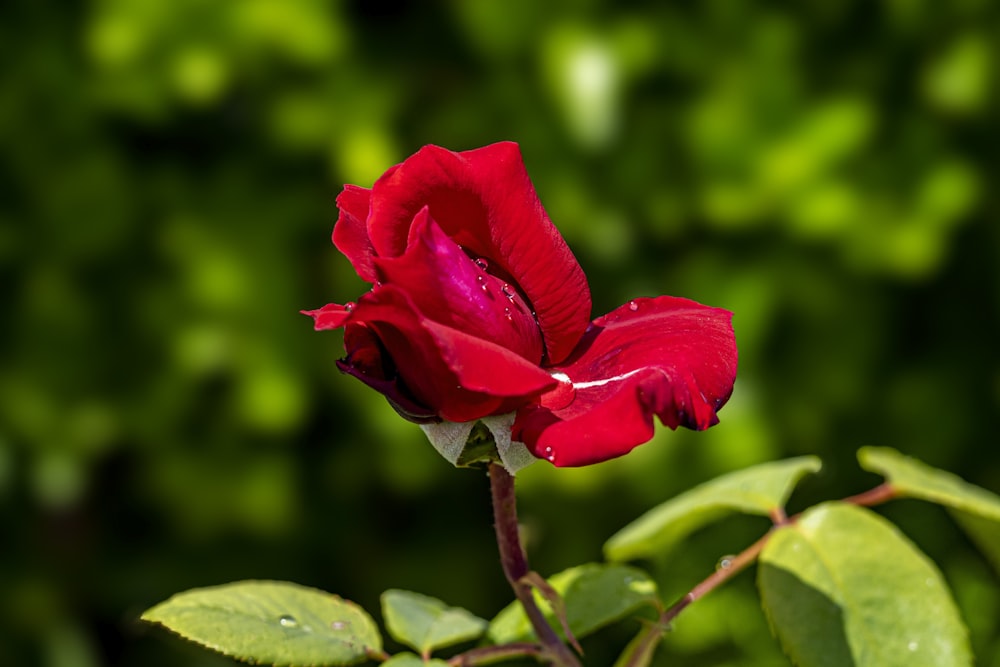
x: 478, y: 308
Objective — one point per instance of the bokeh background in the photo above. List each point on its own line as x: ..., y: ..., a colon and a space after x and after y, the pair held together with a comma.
x: 168, y: 170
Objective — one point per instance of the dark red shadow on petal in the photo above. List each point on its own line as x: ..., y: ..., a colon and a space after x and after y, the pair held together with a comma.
x: 669, y: 357
x: 484, y: 201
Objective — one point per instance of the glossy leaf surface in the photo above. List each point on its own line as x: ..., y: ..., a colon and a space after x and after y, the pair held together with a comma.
x: 271, y: 622
x: 758, y: 490
x: 842, y: 586
x: 425, y: 623
x: 595, y: 595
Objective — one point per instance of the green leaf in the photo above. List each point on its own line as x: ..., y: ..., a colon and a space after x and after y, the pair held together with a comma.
x: 595, y: 595
x: 760, y: 490
x: 410, y: 660
x: 915, y: 479
x: 425, y: 623
x: 271, y: 622
x: 842, y: 586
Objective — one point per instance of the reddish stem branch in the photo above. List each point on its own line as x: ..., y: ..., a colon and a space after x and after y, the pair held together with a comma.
x: 487, y: 654
x: 733, y: 566
x: 515, y: 565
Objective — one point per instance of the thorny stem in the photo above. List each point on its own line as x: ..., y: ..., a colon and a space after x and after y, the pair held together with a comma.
x: 515, y: 566
x: 733, y: 566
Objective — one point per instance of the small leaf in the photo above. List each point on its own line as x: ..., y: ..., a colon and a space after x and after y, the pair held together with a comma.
x: 425, y: 623
x: 842, y: 586
x: 915, y: 479
x: 271, y: 622
x: 759, y: 490
x: 410, y: 660
x: 639, y: 652
x: 595, y: 595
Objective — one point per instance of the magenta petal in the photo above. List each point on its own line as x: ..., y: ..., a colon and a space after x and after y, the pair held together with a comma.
x: 665, y: 356
x: 484, y: 200
x: 350, y: 233
x: 448, y: 287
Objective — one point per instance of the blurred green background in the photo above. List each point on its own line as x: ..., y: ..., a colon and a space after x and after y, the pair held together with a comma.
x: 169, y: 167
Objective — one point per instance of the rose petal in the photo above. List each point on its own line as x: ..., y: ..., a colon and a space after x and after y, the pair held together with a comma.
x: 484, y: 200
x: 350, y: 233
x: 666, y: 356
x: 456, y: 376
x: 446, y: 286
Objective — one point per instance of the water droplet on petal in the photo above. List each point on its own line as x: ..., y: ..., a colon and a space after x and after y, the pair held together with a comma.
x: 482, y: 263
x: 507, y: 314
x: 724, y: 563
x: 338, y: 625
x: 287, y: 621
x: 349, y: 306
x: 507, y: 292
x: 549, y: 454
x: 633, y: 306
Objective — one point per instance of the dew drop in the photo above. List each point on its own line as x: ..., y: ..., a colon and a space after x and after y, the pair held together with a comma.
x: 633, y: 306
x: 507, y: 314
x: 482, y: 263
x: 287, y: 621
x: 724, y: 563
x: 507, y: 292
x: 913, y: 646
x: 549, y: 454
x: 349, y: 306
x: 338, y: 625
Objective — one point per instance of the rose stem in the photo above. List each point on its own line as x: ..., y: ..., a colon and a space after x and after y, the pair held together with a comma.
x: 484, y: 655
x: 515, y: 564
x: 735, y: 565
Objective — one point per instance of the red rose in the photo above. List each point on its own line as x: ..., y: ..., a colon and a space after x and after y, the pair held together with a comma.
x: 478, y: 308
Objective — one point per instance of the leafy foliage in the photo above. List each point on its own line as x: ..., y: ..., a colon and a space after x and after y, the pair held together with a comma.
x: 760, y: 490
x: 425, y: 623
x: 271, y: 622
x: 595, y: 595
x: 842, y: 586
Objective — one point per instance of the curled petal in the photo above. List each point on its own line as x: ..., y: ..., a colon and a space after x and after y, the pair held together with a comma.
x: 484, y: 201
x: 448, y: 287
x: 433, y: 369
x: 665, y: 356
x: 350, y: 233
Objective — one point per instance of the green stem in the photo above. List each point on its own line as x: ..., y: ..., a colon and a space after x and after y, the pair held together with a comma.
x: 515, y: 566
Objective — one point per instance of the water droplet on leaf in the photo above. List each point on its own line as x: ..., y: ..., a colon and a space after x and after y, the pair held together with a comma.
x: 287, y: 621
x: 913, y: 646
x: 338, y: 625
x: 724, y: 563
x: 633, y: 306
